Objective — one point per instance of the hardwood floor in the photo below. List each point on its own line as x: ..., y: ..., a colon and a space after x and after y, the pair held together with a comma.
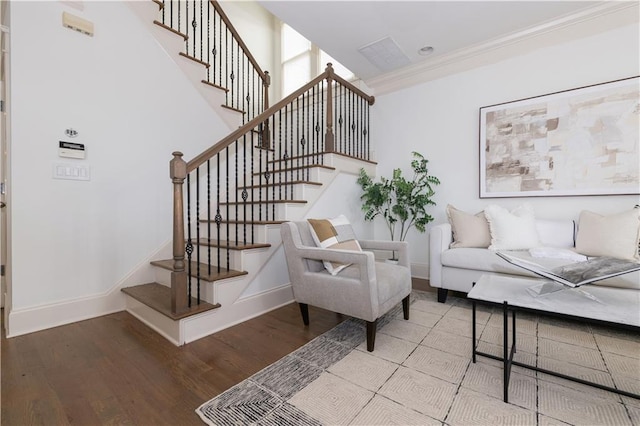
x: 116, y: 370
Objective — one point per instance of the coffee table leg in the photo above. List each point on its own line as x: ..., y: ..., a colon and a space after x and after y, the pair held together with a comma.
x: 505, y: 351
x: 473, y: 331
x: 513, y: 331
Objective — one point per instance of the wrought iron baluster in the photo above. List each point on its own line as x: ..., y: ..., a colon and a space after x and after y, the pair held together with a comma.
x: 198, y: 232
x: 235, y: 185
x: 209, y: 216
x: 253, y: 194
x: 353, y: 123
x: 260, y: 184
x: 315, y: 123
x: 194, y: 25
x: 284, y: 156
x: 368, y: 131
x: 228, y: 206
x: 218, y: 217
x: 322, y: 107
x: 245, y: 194
x: 226, y: 55
x: 339, y: 99
x: 209, y: 43
x: 186, y: 23
x: 189, y: 247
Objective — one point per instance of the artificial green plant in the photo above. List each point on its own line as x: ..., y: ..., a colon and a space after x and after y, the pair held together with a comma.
x: 400, y: 202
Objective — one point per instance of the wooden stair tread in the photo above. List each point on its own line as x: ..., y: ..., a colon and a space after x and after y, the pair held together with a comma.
x: 233, y: 245
x: 233, y: 109
x: 194, y: 59
x: 158, y: 297
x: 208, y: 83
x: 290, y: 169
x: 204, y: 275
x: 166, y: 27
x: 293, y: 182
x: 240, y: 203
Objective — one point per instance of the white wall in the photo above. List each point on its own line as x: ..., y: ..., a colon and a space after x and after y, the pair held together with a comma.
x: 132, y: 107
x: 256, y: 25
x: 440, y: 120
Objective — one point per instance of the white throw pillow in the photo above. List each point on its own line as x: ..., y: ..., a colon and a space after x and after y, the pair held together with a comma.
x: 613, y: 236
x: 512, y: 230
x: 468, y: 230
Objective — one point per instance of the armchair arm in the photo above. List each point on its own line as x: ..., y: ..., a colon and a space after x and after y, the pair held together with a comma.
x: 440, y: 237
x: 342, y: 256
x: 401, y: 247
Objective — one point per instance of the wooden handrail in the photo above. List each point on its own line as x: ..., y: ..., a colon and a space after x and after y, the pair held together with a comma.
x: 241, y: 43
x: 370, y: 99
x: 235, y: 135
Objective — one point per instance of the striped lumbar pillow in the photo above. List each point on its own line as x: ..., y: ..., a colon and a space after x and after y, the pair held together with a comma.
x: 335, y: 234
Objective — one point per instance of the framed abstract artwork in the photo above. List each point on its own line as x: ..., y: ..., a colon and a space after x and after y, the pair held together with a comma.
x: 582, y: 141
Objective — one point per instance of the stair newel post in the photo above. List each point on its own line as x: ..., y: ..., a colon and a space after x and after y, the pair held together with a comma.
x: 266, y: 83
x: 329, y: 144
x: 265, y: 136
x: 179, y: 296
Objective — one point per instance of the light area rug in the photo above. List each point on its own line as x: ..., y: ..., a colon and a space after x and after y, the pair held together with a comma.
x: 421, y: 373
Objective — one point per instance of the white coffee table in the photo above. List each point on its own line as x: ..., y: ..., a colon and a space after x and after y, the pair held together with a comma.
x: 610, y: 306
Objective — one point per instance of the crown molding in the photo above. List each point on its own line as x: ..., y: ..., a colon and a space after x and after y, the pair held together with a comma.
x: 602, y: 17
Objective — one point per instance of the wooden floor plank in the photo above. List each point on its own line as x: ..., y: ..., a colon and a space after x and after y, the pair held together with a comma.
x: 116, y: 370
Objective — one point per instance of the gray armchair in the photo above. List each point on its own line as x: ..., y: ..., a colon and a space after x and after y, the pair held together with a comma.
x: 366, y: 290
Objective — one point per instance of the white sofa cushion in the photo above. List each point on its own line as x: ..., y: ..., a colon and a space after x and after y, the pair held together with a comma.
x: 487, y: 260
x: 468, y: 230
x: 512, y: 230
x: 556, y: 233
x: 614, y: 235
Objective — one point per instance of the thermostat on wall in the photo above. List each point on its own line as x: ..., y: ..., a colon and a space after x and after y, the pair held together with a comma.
x: 71, y: 150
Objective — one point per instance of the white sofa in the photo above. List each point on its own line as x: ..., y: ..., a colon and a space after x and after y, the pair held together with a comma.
x: 458, y: 268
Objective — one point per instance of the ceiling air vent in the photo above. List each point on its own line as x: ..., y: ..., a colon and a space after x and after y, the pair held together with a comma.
x: 385, y: 54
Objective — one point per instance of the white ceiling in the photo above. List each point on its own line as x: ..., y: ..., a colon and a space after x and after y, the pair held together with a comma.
x: 342, y: 27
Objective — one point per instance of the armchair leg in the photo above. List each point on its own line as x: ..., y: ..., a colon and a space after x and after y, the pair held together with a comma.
x: 442, y: 294
x: 405, y: 307
x: 304, y: 310
x: 371, y: 334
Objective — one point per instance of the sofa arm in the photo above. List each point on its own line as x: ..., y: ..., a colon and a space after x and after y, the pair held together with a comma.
x: 440, y: 238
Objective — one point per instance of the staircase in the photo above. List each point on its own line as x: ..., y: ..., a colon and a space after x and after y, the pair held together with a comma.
x: 226, y: 264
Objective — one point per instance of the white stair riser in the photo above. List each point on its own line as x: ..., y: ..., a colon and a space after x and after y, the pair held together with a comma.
x: 273, y: 211
x: 255, y: 231
x: 163, y: 276
x: 291, y: 192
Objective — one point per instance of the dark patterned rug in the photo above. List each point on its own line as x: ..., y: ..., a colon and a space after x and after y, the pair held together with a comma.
x: 420, y: 373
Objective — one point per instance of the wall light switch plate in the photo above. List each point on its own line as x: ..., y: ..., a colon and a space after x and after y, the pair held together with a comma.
x: 71, y: 171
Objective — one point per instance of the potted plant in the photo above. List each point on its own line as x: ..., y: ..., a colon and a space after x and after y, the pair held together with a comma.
x: 400, y: 202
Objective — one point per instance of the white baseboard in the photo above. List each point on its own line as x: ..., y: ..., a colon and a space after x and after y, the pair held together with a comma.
x: 242, y: 310
x: 420, y: 270
x: 41, y: 317
x: 29, y: 320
